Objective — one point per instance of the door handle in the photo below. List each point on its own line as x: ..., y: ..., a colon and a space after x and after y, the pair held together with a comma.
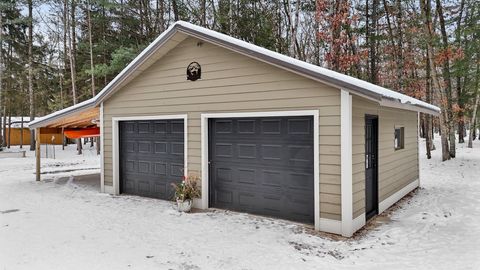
x: 366, y: 161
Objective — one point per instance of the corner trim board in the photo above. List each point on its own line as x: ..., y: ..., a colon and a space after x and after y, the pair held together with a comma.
x: 385, y: 204
x: 109, y: 190
x: 330, y: 226
x: 115, y: 143
x: 346, y: 162
x: 102, y: 155
x: 418, y: 149
x: 316, y: 153
x: 358, y: 223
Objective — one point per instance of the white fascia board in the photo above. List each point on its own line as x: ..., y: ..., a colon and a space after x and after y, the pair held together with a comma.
x: 102, y: 151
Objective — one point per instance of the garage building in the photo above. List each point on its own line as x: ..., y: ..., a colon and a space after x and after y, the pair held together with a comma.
x: 267, y: 134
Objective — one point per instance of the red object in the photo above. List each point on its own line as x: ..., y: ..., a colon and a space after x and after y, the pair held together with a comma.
x: 82, y: 133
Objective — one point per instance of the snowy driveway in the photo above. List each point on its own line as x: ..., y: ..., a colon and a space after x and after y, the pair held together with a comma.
x: 62, y: 224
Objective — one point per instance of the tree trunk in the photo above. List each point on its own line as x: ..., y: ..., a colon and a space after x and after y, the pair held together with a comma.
x: 90, y: 43
x: 72, y: 52
x: 471, y: 135
x: 373, y: 43
x: 461, y: 125
x: 291, y: 28
x: 79, y: 147
x: 448, y: 83
x: 461, y: 105
x: 21, y: 132
x: 474, y: 135
x: 1, y: 76
x: 428, y: 117
x: 64, y: 140
x: 161, y: 11
x: 426, y: 10
x: 203, y: 11
x: 30, y: 72
x: 9, y: 126
x: 396, y: 57
x: 4, y: 142
x: 421, y: 132
x: 175, y: 10
x: 73, y: 73
x: 98, y: 144
x: 65, y: 48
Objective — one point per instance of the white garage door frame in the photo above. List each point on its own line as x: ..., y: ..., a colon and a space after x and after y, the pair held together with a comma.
x: 316, y: 162
x: 116, y: 142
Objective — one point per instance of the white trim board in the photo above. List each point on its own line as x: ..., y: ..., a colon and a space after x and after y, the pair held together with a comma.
x: 331, y: 226
x: 385, y: 204
x: 109, y: 190
x: 358, y: 223
x: 316, y: 153
x: 115, y: 143
x: 102, y: 155
x: 346, y: 162
x: 418, y: 149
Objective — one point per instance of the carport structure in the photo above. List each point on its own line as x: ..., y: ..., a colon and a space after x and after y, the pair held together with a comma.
x: 79, y: 119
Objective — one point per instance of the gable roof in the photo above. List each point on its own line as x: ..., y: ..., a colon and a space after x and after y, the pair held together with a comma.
x: 180, y: 30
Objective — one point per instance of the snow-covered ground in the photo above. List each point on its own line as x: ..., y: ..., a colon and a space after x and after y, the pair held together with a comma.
x: 64, y: 223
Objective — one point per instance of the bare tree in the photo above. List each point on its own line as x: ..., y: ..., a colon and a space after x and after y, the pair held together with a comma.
x: 161, y: 13
x: 426, y: 11
x: 203, y: 11
x: 447, y: 80
x: 293, y: 21
x: 428, y: 117
x: 72, y: 44
x: 475, y: 105
x: 30, y: 73
x: 373, y: 43
x: 461, y: 104
x: 72, y: 54
x: 90, y: 43
x: 175, y: 10
x: 1, y: 76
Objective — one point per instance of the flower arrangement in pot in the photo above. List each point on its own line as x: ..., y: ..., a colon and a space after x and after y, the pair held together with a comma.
x: 186, y: 191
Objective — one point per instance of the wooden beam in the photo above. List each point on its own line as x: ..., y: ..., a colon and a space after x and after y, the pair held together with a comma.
x: 84, y: 122
x: 50, y: 130
x: 37, y: 153
x: 84, y: 117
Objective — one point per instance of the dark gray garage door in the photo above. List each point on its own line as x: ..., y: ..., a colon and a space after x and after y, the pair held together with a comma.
x: 263, y: 166
x: 151, y: 157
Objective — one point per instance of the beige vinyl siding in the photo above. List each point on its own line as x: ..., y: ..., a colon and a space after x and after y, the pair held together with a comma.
x: 230, y: 82
x: 396, y: 168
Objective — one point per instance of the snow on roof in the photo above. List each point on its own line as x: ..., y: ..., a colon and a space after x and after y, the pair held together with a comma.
x: 345, y: 82
x: 384, y: 92
x: 16, y: 121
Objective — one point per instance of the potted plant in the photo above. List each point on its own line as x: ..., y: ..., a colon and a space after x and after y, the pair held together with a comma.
x: 186, y: 191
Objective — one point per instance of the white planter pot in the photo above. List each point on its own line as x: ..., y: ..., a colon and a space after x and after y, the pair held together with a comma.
x: 184, y: 206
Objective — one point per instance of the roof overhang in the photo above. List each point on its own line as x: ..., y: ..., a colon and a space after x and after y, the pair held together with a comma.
x: 80, y: 115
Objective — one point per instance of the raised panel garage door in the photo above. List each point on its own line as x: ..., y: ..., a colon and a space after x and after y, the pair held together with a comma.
x: 151, y: 157
x: 263, y: 166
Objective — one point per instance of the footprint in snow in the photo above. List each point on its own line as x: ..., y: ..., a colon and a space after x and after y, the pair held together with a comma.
x: 9, y: 211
